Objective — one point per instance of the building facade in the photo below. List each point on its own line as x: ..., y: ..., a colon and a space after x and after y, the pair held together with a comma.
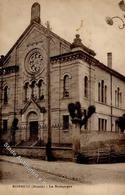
x: 75, y: 75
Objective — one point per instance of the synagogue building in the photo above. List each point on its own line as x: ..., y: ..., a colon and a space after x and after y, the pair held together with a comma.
x: 75, y: 75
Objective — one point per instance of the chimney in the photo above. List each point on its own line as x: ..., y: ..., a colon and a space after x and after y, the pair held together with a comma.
x: 109, y: 59
x: 35, y: 13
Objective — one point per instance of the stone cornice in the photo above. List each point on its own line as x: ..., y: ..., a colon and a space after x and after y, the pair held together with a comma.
x: 80, y: 55
x: 71, y: 56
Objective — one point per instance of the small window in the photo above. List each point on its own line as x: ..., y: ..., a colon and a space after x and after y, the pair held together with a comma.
x: 65, y: 122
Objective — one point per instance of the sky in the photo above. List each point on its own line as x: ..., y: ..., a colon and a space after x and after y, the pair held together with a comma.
x: 65, y: 17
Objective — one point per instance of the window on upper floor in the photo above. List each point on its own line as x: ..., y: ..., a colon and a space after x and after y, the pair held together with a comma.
x: 118, y: 97
x: 99, y: 95
x: 86, y: 84
x: 115, y: 97
x: 102, y: 92
x: 40, y: 89
x: 26, y: 91
x: 33, y: 83
x: 66, y: 85
x: 5, y: 94
x: 105, y: 94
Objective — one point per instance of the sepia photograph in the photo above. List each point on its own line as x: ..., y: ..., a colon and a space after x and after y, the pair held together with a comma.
x: 62, y: 97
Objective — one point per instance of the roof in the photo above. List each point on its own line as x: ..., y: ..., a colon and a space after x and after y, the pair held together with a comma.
x: 30, y: 26
x: 89, y: 59
x: 68, y: 56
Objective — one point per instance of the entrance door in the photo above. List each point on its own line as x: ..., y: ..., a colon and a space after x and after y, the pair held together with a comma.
x: 33, y: 125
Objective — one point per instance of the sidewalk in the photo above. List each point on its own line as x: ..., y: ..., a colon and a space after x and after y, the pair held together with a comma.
x: 87, y: 174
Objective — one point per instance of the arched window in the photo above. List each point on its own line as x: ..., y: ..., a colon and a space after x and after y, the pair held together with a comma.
x: 102, y: 91
x: 118, y: 93
x: 115, y: 97
x: 26, y: 91
x: 40, y: 89
x: 120, y: 97
x: 5, y: 95
x: 86, y: 86
x: 99, y: 89
x: 66, y: 86
x: 105, y: 94
x: 32, y: 87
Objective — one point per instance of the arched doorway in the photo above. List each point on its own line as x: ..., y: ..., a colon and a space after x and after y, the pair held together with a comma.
x: 33, y: 125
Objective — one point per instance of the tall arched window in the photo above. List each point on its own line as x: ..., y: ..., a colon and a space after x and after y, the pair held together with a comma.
x: 5, y: 98
x: 26, y: 91
x: 40, y: 89
x: 86, y: 86
x: 99, y: 89
x: 32, y: 87
x: 115, y: 97
x: 118, y: 93
x: 118, y: 97
x: 102, y: 91
x: 66, y: 83
x: 105, y: 94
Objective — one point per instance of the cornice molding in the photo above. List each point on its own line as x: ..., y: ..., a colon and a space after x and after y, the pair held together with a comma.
x: 81, y: 55
x: 9, y: 70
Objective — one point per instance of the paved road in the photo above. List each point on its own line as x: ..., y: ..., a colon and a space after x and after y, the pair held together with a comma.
x: 12, y: 173
x: 101, y: 179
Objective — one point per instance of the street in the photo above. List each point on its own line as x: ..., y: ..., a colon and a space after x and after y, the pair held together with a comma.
x: 12, y: 173
x: 14, y: 170
x: 94, y: 179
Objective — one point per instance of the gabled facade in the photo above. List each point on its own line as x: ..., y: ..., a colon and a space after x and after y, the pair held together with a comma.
x: 75, y: 76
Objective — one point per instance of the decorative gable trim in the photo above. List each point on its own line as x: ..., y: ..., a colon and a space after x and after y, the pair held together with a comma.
x: 42, y: 109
